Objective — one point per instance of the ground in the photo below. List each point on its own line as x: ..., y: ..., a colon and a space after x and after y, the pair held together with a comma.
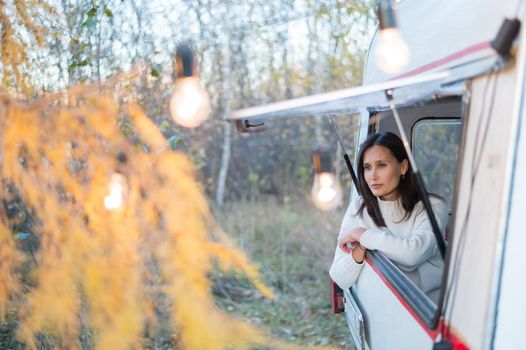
x: 292, y: 242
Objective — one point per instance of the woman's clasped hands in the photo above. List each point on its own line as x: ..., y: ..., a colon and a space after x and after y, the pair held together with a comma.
x: 350, y: 244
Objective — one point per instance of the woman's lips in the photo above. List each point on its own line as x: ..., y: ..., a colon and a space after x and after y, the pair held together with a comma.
x: 376, y: 186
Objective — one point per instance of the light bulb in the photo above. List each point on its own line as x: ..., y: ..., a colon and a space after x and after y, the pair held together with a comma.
x: 117, y: 192
x: 189, y: 104
x: 326, y: 191
x: 392, y: 53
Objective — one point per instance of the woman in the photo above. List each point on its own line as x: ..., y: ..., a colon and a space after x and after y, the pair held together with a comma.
x: 390, y: 218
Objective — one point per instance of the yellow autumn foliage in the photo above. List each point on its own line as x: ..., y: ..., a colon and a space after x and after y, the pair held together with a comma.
x: 102, y: 269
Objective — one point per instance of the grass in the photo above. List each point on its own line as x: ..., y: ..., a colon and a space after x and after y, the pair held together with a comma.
x: 293, y: 244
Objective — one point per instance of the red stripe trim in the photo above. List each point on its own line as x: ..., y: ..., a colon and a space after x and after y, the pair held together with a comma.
x: 456, y: 343
x: 453, y: 336
x: 448, y: 59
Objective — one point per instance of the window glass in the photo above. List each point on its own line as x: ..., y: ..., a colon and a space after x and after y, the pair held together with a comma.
x: 435, y: 148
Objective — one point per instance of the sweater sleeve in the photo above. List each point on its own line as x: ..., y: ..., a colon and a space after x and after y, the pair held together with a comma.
x: 344, y: 270
x: 409, y: 252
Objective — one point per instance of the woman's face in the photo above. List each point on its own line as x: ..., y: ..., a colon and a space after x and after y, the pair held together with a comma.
x: 382, y: 172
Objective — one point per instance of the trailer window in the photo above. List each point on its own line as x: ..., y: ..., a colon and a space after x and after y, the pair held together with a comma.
x: 435, y: 147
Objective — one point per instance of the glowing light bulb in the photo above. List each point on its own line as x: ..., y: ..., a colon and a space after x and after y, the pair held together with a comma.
x: 326, y: 191
x: 117, y: 192
x: 392, y: 53
x: 189, y: 104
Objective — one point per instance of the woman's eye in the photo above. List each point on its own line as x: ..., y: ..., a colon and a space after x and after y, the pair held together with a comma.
x: 367, y: 167
x: 381, y: 165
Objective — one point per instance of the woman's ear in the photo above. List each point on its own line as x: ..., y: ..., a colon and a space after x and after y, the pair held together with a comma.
x: 405, y: 167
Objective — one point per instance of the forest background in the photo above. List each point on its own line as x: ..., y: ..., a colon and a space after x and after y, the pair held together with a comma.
x: 250, y: 53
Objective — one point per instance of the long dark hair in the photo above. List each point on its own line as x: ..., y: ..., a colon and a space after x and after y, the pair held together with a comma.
x: 406, y: 187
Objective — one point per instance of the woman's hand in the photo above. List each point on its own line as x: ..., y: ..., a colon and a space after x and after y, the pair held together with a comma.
x: 358, y: 253
x: 351, y: 240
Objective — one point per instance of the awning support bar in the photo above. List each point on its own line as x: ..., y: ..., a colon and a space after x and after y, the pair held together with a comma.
x: 420, y: 186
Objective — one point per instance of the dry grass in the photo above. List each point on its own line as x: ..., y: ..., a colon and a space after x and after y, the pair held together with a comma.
x: 293, y: 243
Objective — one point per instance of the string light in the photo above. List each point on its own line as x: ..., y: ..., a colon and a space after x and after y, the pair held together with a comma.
x: 326, y: 191
x: 118, y: 188
x: 391, y: 53
x: 189, y: 104
x: 117, y: 192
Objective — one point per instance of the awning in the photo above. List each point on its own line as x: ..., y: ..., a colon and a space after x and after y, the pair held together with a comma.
x: 405, y: 91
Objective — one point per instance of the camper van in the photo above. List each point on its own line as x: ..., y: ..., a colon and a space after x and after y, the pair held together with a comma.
x: 460, y: 104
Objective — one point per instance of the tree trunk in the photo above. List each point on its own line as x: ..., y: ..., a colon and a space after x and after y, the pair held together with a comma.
x: 227, y: 95
x: 225, y: 161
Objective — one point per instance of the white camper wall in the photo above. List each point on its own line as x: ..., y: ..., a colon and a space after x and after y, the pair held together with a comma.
x: 476, y: 232
x: 511, y: 308
x: 479, y: 236
x: 510, y: 289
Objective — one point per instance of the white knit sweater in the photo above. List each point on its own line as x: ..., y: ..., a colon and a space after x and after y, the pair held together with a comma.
x: 409, y: 243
